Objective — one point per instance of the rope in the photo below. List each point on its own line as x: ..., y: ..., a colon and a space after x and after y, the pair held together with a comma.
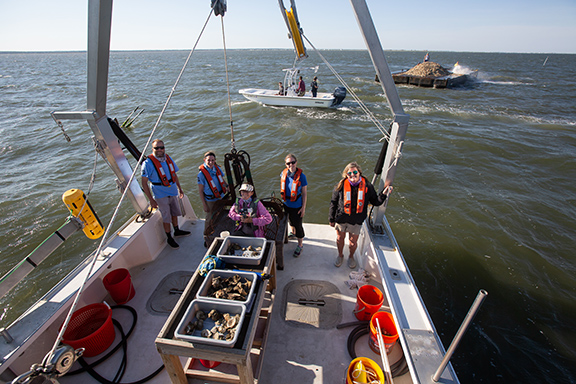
x: 115, y: 214
x: 228, y: 86
x: 354, y: 96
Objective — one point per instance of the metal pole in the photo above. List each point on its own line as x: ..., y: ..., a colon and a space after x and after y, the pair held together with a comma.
x: 469, y: 317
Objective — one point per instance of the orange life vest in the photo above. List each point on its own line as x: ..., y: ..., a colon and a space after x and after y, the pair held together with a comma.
x: 211, y: 182
x: 362, y: 189
x: 163, y: 178
x: 295, y: 185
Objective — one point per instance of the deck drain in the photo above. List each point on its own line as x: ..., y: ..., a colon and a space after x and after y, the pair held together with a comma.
x: 312, y: 303
x: 168, y: 292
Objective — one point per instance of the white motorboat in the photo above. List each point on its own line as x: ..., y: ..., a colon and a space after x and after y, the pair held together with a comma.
x: 276, y: 344
x: 272, y: 97
x: 288, y: 96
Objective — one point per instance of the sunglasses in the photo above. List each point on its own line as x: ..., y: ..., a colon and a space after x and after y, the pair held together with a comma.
x: 290, y: 162
x: 158, y: 147
x: 352, y: 173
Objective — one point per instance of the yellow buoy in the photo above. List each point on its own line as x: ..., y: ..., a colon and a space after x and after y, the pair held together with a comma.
x: 75, y: 200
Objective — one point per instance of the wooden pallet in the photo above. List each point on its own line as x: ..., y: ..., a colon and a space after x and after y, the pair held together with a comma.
x: 241, y: 363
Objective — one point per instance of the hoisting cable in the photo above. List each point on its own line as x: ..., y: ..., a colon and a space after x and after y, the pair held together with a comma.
x: 232, y: 142
x: 115, y: 214
x: 362, y: 105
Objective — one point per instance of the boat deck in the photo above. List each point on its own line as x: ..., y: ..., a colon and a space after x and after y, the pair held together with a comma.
x: 294, y: 353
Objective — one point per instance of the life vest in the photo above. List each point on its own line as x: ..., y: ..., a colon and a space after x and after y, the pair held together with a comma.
x: 163, y: 178
x: 295, y: 185
x: 211, y: 182
x: 362, y: 189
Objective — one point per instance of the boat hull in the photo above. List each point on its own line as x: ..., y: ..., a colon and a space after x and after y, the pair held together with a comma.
x: 271, y: 97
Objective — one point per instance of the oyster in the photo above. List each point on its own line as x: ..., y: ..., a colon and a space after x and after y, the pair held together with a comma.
x: 200, y: 315
x: 206, y: 333
x: 214, y: 315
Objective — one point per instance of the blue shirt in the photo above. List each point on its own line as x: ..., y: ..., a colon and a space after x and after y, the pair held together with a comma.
x: 289, y: 182
x: 208, y: 195
x: 159, y: 191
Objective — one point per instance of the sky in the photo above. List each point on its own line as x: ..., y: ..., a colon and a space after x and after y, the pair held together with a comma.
x: 418, y: 25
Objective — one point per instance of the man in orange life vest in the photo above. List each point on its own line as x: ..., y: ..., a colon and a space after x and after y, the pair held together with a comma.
x: 211, y: 186
x: 161, y: 170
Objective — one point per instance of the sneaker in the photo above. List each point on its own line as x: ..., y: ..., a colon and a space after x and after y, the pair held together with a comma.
x: 338, y: 261
x: 171, y: 242
x: 291, y: 236
x: 297, y: 251
x: 351, y: 263
x: 180, y: 232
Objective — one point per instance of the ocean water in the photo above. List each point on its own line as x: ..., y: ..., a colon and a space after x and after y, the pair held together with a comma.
x: 484, y: 196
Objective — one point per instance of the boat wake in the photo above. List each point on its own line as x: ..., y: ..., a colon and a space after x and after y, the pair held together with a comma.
x: 462, y: 70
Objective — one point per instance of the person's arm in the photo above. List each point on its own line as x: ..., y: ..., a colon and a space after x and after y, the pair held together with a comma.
x: 262, y: 217
x: 203, y: 198
x: 147, y: 192
x: 233, y: 214
x: 333, y: 207
x: 304, y: 193
x: 378, y: 199
x: 177, y: 181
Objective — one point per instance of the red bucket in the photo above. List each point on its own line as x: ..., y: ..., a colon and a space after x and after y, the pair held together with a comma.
x: 368, y: 301
x: 91, y: 328
x: 119, y: 284
x: 209, y: 363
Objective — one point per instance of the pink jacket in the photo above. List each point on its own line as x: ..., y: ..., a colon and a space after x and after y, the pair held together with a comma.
x: 260, y: 219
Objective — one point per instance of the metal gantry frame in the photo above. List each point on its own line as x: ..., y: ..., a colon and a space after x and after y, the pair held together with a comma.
x: 99, y: 28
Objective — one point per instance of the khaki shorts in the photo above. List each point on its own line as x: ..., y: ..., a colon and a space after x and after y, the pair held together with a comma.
x: 169, y: 206
x: 353, y: 229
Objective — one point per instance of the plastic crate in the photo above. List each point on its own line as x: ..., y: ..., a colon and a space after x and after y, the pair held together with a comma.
x: 206, y: 306
x: 205, y: 287
x: 242, y: 257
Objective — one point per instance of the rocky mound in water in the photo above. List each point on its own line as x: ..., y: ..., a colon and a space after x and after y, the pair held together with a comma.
x: 427, y: 69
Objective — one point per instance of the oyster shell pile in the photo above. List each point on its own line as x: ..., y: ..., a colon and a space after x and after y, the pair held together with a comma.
x: 224, y: 327
x: 249, y: 251
x: 427, y: 69
x: 234, y: 287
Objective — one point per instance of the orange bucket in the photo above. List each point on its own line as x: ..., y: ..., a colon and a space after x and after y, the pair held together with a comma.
x: 388, y: 328
x: 368, y: 301
x: 119, y: 284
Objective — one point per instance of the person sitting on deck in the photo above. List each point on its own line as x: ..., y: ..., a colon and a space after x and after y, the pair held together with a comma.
x: 250, y: 215
x: 280, y: 89
x: 301, y: 90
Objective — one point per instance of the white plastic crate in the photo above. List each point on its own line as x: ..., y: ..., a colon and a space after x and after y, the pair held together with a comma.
x: 203, y: 292
x: 242, y: 257
x: 206, y: 306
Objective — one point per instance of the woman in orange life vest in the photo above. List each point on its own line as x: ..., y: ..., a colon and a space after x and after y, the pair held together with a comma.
x: 211, y: 186
x: 161, y: 170
x: 293, y: 190
x: 349, y: 209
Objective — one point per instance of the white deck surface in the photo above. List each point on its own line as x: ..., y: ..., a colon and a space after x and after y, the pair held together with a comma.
x: 293, y: 354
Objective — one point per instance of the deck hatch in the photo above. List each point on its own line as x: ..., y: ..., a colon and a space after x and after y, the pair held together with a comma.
x: 168, y: 292
x: 312, y: 303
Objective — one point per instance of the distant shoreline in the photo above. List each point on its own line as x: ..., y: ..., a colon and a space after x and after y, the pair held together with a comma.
x: 285, y: 49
